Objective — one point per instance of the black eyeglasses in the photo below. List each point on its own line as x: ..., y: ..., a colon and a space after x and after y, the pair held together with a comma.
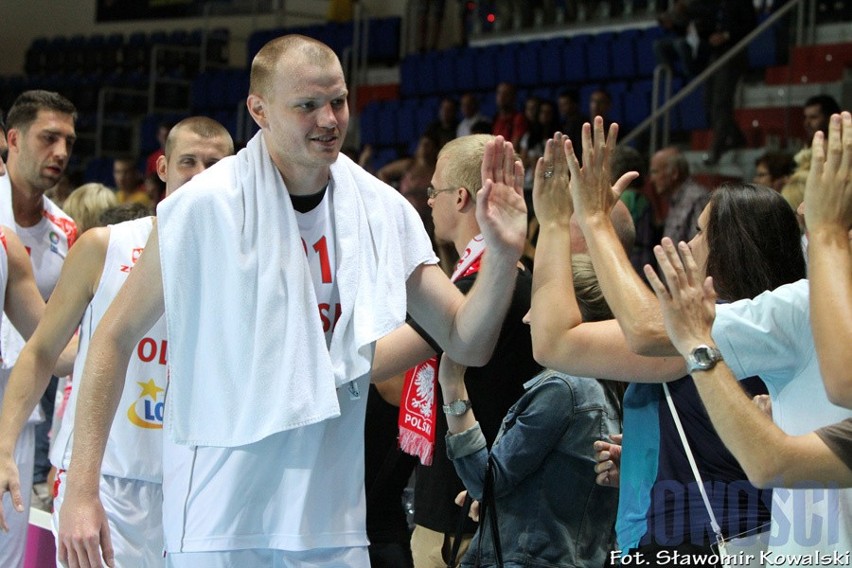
x: 431, y: 192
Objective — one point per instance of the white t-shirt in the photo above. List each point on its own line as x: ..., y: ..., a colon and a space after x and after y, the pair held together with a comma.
x: 771, y: 336
x: 135, y: 445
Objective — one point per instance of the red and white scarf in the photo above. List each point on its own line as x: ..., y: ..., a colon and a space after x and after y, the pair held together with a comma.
x: 417, y: 413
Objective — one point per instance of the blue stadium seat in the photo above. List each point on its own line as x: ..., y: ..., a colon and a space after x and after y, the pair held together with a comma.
x: 384, y: 39
x: 506, y: 63
x: 427, y: 74
x: 624, y: 60
x: 691, y: 112
x: 446, y: 71
x: 529, y: 64
x: 762, y: 51
x: 386, y: 123
x: 599, y: 56
x: 486, y: 59
x: 406, y: 128
x: 551, y: 59
x: 645, y: 59
x: 408, y: 70
x: 466, y: 65
x: 367, y: 122
x: 574, y: 60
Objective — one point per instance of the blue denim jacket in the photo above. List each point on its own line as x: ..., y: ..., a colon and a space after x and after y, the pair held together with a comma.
x: 549, y: 509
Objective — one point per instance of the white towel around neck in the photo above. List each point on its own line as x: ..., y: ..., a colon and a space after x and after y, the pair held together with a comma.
x: 247, y: 354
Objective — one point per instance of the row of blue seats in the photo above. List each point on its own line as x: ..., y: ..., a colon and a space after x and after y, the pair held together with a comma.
x: 604, y: 56
x: 383, y: 35
x: 106, y: 53
x: 401, y: 122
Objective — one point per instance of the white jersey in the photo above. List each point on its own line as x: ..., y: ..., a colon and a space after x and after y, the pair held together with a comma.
x: 47, y: 242
x: 134, y: 447
x: 296, y: 511
x: 316, y: 227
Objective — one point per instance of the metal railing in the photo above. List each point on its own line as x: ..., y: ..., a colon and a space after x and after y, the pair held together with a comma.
x: 805, y: 33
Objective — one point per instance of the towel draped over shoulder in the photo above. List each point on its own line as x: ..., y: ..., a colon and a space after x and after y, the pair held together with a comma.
x: 247, y: 354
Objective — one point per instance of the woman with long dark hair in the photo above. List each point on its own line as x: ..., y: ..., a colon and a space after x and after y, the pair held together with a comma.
x: 748, y: 239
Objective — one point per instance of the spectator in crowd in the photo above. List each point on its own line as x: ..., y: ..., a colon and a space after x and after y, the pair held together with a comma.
x: 538, y: 472
x: 734, y: 19
x: 123, y: 212
x: 470, y: 115
x: 628, y: 159
x: 794, y: 189
x: 773, y: 169
x: 443, y: 129
x: 683, y: 198
x: 128, y: 185
x: 63, y: 188
x: 412, y: 175
x: 155, y: 188
x: 571, y: 119
x: 771, y: 457
x: 600, y: 103
x: 657, y: 461
x: 493, y: 387
x: 163, y: 129
x: 87, y: 202
x: 508, y: 123
x: 817, y: 111
x: 543, y: 125
x: 685, y: 48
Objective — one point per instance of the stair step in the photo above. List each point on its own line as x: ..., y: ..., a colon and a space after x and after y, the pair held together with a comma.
x: 765, y: 96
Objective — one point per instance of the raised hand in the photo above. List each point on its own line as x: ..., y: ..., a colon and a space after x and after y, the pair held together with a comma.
x: 551, y: 197
x: 500, y: 208
x: 828, y: 189
x: 591, y: 186
x: 688, y: 306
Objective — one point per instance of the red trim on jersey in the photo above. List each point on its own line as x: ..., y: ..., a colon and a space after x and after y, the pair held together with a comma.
x: 66, y: 225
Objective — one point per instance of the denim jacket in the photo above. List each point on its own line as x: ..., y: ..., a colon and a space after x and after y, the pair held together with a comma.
x: 550, y: 511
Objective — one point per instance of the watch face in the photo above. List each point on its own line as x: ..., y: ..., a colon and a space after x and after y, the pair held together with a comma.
x: 703, y: 355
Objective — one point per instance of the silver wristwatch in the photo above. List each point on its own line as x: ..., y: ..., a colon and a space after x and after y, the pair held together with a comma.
x: 702, y: 358
x: 457, y: 407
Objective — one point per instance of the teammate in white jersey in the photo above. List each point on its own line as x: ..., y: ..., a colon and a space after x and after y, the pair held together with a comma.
x: 298, y: 97
x: 96, y: 268
x: 41, y: 136
x: 21, y: 302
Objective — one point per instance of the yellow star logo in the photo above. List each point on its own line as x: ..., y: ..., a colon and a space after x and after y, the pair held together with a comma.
x: 150, y: 388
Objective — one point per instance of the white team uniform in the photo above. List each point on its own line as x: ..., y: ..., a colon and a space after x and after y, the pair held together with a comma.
x: 303, y: 469
x: 132, y: 470
x: 47, y: 243
x: 12, y: 544
x: 304, y: 507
